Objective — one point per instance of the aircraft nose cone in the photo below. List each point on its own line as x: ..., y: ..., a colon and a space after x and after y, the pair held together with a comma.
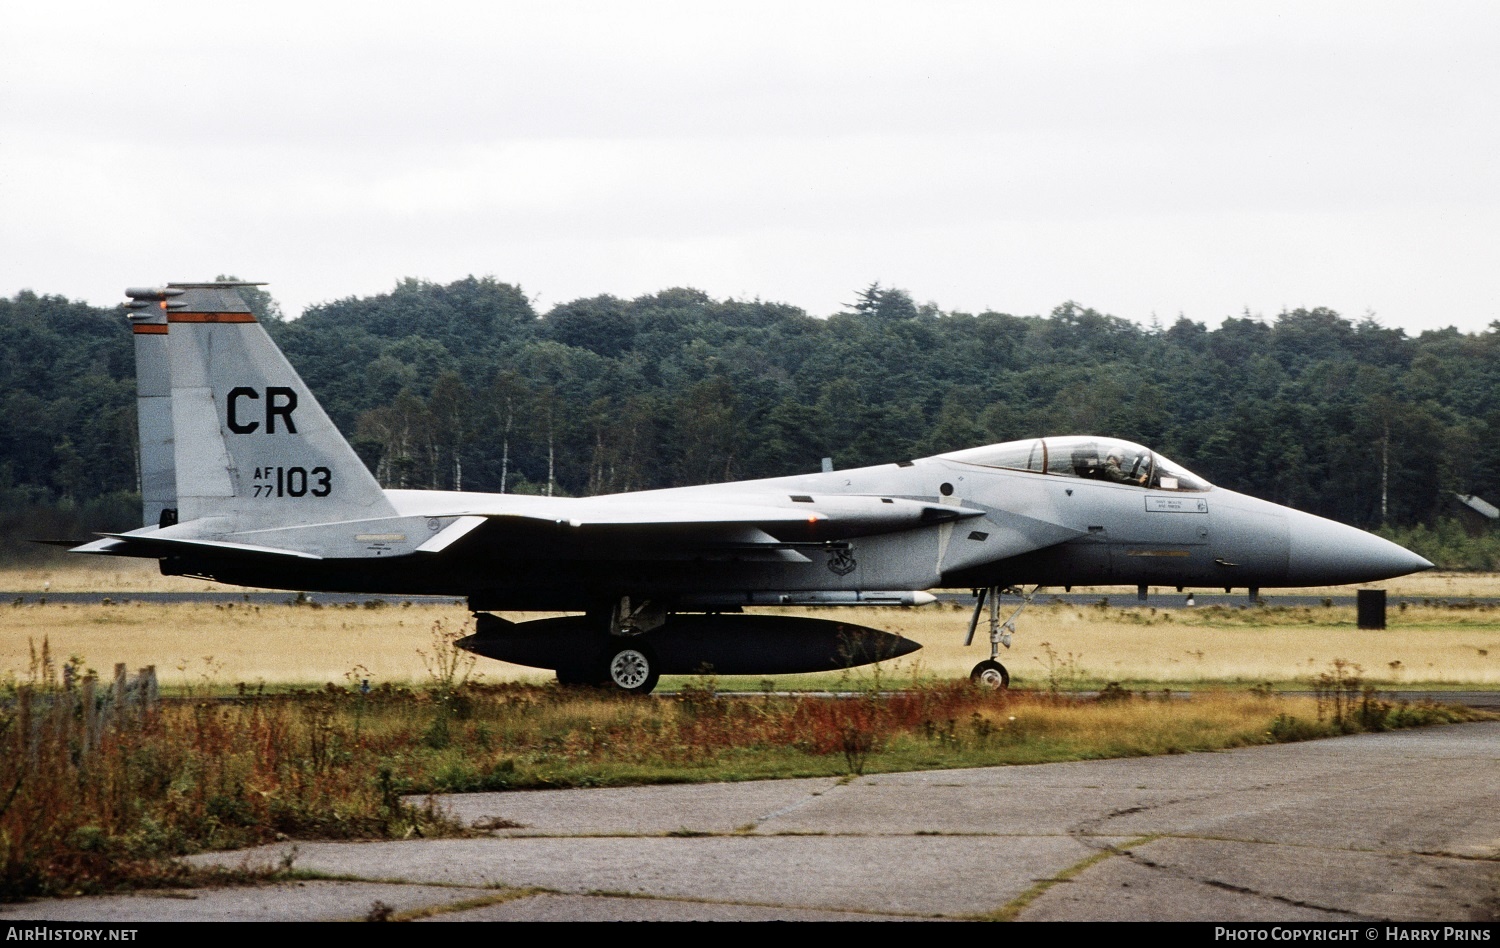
x: 1325, y: 553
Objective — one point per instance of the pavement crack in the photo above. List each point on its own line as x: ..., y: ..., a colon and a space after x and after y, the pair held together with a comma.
x: 1217, y: 884
x: 789, y: 808
x: 1093, y: 827
x: 1010, y: 910
x: 1146, y: 863
x: 462, y: 905
x: 747, y: 903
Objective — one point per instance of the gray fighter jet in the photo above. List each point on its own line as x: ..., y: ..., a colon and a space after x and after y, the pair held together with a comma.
x: 246, y: 481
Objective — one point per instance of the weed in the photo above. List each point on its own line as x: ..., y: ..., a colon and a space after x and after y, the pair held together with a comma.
x: 945, y: 735
x: 1114, y: 692
x: 1063, y: 673
x: 492, y: 823
x: 438, y: 736
x: 1287, y: 728
x: 448, y: 667
x: 205, y: 682
x: 982, y: 727
x: 1336, y: 689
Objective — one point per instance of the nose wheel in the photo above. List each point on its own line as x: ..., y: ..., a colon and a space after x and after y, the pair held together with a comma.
x: 990, y: 674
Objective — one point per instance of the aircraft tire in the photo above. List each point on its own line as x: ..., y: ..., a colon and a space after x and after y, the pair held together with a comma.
x: 990, y: 674
x: 632, y: 667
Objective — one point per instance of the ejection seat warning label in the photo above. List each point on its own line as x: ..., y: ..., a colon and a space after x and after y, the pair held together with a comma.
x: 1176, y: 505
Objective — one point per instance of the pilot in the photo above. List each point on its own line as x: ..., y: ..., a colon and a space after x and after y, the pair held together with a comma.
x: 1113, y: 472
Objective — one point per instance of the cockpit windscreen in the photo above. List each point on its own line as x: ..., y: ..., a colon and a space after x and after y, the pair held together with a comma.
x: 1104, y: 459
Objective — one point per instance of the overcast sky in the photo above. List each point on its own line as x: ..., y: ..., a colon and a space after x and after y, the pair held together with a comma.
x: 1193, y: 158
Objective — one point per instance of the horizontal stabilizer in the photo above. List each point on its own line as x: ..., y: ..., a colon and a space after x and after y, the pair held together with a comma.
x: 108, y: 545
x: 170, y: 545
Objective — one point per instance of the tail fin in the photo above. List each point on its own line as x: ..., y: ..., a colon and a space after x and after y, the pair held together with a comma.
x: 153, y: 403
x: 253, y: 448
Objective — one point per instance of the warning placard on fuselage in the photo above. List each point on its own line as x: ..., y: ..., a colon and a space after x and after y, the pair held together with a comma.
x: 1176, y: 505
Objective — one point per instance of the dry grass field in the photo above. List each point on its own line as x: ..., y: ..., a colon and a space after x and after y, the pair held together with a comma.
x: 197, y: 645
x: 102, y: 574
x: 1422, y: 645
x: 194, y: 645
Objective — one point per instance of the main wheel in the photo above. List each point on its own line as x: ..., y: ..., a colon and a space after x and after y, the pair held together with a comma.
x: 632, y: 668
x: 990, y: 674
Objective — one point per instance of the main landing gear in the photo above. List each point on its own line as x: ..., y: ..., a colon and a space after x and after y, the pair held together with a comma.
x: 629, y: 663
x: 631, y: 667
x: 990, y: 673
x: 622, y: 660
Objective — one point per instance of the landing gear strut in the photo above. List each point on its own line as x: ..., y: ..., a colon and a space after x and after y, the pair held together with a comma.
x: 624, y: 660
x: 990, y: 673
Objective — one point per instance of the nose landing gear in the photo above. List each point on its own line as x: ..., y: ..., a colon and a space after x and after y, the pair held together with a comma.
x: 990, y: 673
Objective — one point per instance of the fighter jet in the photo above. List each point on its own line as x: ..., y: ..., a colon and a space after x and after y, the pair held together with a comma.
x: 247, y: 481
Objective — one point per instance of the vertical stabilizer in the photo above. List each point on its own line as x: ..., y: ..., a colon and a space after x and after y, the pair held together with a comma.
x: 153, y: 404
x: 254, y: 449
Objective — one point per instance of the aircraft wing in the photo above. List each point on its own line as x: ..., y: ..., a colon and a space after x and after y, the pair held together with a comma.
x: 673, y: 527
x: 745, y: 527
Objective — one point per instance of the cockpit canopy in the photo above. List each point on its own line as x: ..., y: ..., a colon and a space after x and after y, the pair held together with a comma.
x: 1104, y: 459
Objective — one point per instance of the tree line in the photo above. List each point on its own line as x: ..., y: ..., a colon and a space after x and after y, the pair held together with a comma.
x: 467, y: 386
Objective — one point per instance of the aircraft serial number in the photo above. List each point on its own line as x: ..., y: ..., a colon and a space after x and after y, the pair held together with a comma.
x: 293, y: 482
